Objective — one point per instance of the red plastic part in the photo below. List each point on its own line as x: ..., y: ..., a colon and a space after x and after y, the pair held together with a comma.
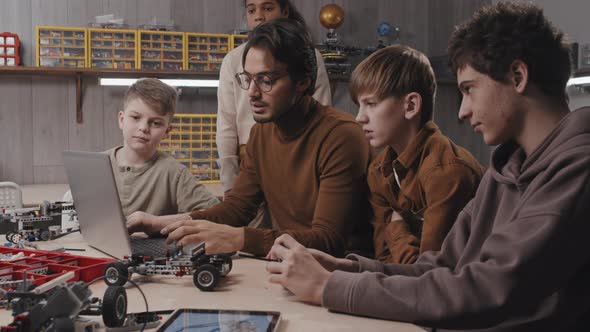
x: 4, y: 45
x: 42, y: 266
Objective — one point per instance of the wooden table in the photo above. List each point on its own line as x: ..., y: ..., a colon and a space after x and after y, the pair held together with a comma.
x: 245, y: 288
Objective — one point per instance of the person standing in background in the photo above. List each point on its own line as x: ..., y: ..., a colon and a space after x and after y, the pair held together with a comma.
x: 234, y: 115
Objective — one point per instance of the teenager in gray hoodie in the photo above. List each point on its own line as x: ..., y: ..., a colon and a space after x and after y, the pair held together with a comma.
x: 518, y: 256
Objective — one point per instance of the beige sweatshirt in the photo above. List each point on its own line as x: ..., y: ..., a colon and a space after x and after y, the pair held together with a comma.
x: 162, y: 186
x: 234, y: 116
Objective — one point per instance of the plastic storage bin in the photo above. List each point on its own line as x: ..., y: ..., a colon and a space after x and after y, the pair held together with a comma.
x: 113, y: 48
x: 205, y: 51
x: 237, y: 40
x: 192, y: 142
x: 9, y: 49
x: 61, y: 47
x: 161, y: 50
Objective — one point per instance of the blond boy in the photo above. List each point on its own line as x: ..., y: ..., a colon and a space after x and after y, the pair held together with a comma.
x: 150, y: 182
x: 421, y: 180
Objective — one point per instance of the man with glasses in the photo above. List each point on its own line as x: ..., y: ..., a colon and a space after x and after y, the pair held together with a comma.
x: 308, y: 161
x: 234, y: 117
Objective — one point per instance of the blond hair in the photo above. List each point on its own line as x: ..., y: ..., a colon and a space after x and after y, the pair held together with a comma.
x: 395, y: 71
x: 156, y: 94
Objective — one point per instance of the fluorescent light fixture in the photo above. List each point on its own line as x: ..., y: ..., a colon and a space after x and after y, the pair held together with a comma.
x: 171, y: 82
x: 583, y: 80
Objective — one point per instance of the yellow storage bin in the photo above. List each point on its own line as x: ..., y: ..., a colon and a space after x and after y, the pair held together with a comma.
x: 113, y: 48
x: 61, y: 47
x: 192, y: 142
x: 205, y: 51
x: 161, y: 50
x: 237, y: 40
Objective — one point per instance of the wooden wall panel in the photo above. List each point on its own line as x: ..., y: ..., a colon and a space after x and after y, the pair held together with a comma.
x: 187, y: 14
x: 227, y: 18
x: 77, y: 13
x: 50, y: 174
x: 146, y: 9
x: 441, y: 25
x: 411, y: 18
x: 15, y: 16
x: 360, y: 25
x: 95, y: 7
x: 112, y: 103
x: 196, y: 16
x: 126, y: 9
x: 52, y: 12
x: 51, y: 101
x: 443, y: 16
x: 341, y: 98
x: 88, y: 135
x: 16, y: 131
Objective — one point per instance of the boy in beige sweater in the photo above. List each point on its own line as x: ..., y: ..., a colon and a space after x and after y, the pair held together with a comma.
x: 150, y: 182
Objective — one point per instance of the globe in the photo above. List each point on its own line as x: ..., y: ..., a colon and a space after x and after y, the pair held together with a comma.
x: 331, y: 16
x: 384, y: 29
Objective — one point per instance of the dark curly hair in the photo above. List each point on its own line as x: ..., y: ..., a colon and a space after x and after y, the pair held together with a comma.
x: 290, y: 43
x: 499, y: 34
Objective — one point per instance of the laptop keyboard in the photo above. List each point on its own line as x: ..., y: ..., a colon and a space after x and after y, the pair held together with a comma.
x: 150, y: 247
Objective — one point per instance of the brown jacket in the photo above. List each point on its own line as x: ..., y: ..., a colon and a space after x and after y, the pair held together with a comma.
x: 311, y: 174
x: 437, y: 179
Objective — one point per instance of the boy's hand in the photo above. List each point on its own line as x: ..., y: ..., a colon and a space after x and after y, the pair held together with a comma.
x: 332, y: 263
x: 327, y: 261
x: 218, y: 238
x: 298, y: 270
x: 140, y: 221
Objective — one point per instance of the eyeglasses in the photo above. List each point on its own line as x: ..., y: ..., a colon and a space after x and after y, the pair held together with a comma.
x: 263, y: 81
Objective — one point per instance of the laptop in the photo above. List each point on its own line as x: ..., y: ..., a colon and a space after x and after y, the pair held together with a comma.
x: 97, y: 203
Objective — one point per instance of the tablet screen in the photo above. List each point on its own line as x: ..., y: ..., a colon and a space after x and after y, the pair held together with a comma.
x: 212, y: 320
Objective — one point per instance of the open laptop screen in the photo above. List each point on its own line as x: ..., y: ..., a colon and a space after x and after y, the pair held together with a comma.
x: 96, y: 198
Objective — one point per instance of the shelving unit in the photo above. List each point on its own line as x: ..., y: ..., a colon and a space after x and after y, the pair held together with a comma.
x: 205, y: 51
x: 113, y: 48
x: 161, y: 50
x: 61, y: 47
x: 72, y: 47
x: 237, y: 40
x: 192, y: 142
